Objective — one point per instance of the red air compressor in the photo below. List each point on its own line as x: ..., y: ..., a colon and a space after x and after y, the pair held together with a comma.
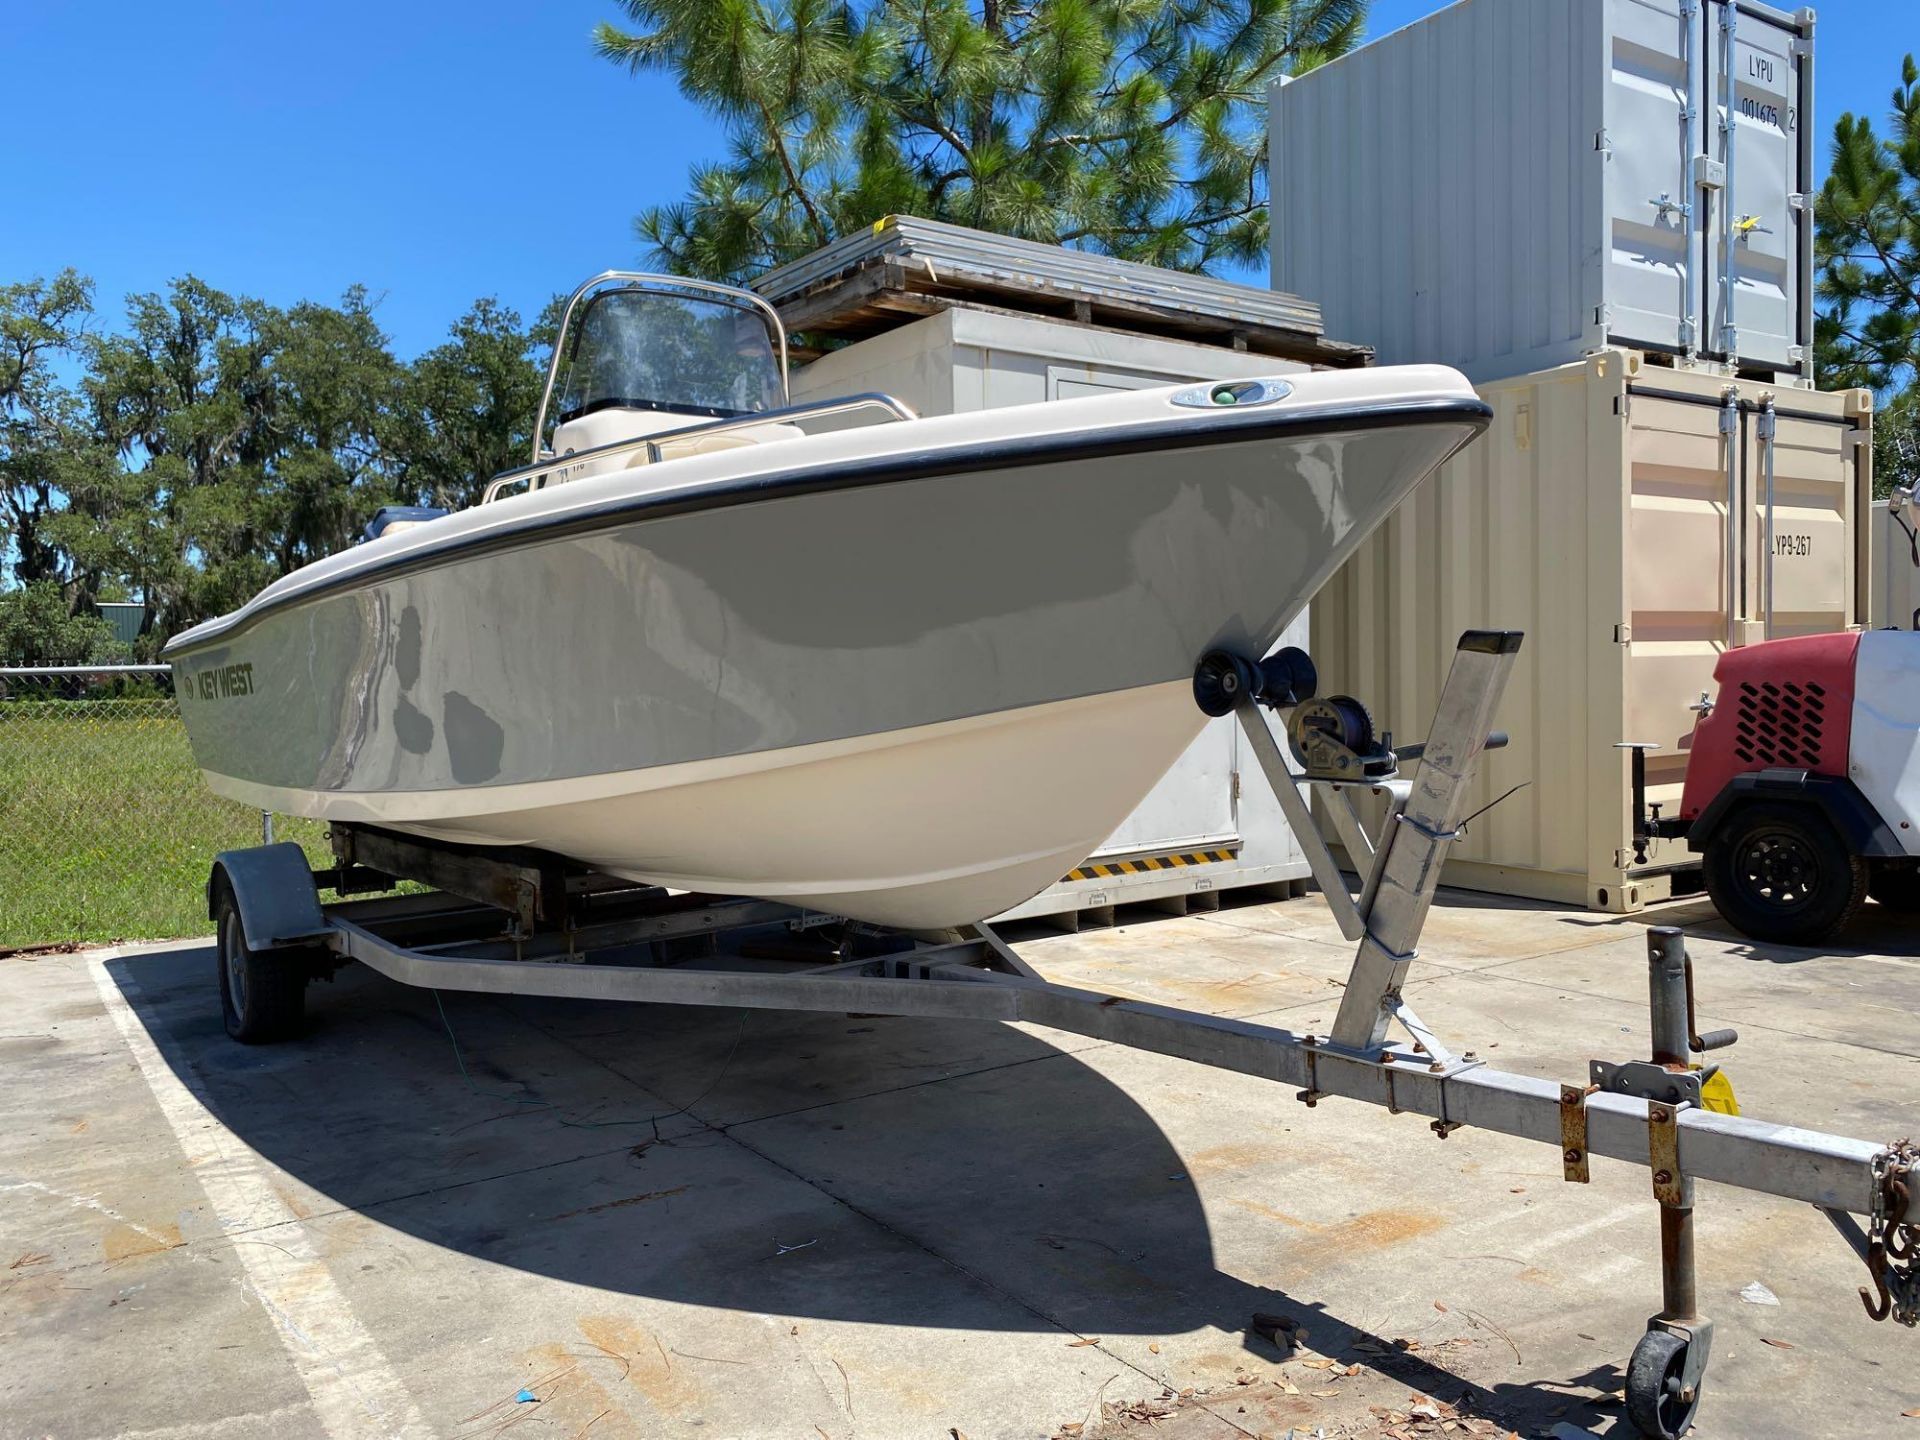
x: 1803, y: 787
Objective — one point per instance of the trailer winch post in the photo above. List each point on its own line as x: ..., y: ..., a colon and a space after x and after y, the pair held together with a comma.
x: 1414, y: 848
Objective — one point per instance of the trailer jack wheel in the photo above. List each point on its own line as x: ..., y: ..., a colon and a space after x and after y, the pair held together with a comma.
x: 1659, y: 1400
x: 263, y: 993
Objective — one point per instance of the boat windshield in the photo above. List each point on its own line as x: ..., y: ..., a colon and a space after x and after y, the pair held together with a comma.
x: 645, y: 349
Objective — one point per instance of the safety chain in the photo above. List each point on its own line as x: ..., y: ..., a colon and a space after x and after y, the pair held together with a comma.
x: 1893, y: 1241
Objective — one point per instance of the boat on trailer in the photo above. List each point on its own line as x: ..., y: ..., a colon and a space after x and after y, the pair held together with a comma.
x: 511, y: 923
x: 909, y: 671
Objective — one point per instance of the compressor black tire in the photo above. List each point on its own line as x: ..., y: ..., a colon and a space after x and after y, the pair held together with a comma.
x: 1653, y: 1387
x: 1781, y: 873
x: 1896, y: 885
x: 263, y: 993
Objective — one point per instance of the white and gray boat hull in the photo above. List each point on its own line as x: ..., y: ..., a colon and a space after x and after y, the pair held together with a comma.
x: 914, y: 684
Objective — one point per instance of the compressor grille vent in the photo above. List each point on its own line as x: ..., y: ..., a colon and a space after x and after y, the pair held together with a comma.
x: 1780, y: 724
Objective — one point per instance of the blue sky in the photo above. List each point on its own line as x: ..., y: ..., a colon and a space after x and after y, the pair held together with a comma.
x: 432, y: 152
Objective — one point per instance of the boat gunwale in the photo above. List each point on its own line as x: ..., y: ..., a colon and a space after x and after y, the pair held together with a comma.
x: 1167, y: 433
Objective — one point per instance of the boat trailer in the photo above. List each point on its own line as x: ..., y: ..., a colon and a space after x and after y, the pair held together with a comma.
x: 527, y: 923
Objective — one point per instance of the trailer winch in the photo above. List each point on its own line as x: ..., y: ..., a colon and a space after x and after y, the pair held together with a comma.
x: 530, y: 923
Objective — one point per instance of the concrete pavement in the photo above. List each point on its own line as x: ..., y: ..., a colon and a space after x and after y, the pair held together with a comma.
x: 661, y: 1222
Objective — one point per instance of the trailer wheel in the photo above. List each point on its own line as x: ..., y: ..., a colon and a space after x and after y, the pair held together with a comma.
x: 263, y: 993
x: 1896, y: 885
x: 1779, y: 872
x: 1655, y: 1377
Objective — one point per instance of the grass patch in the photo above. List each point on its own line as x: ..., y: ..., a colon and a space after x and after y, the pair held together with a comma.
x: 106, y: 828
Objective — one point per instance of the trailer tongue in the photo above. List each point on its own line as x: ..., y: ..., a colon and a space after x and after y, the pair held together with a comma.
x: 527, y: 923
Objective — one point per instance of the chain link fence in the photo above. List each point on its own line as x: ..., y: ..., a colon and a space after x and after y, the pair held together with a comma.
x: 106, y: 827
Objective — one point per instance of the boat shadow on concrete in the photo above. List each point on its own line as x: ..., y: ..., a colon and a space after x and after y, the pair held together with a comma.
x: 882, y: 1170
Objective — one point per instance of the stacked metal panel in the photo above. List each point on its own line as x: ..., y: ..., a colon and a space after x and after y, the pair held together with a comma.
x: 874, y: 279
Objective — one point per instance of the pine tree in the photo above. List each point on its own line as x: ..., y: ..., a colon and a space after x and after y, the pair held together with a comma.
x: 1867, y: 250
x: 1132, y: 127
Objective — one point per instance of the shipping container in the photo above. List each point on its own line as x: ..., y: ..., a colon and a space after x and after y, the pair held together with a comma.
x: 125, y: 617
x: 1895, y: 547
x: 1594, y: 515
x: 1507, y: 185
x: 1201, y: 831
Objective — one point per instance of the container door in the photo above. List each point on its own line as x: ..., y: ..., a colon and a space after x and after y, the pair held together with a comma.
x: 1812, y: 550
x: 1675, y: 575
x: 1649, y: 140
x: 1755, y: 227
x: 1194, y: 803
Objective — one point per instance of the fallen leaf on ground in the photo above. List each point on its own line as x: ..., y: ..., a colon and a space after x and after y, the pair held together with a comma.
x: 1078, y: 1344
x: 1280, y: 1329
x: 1777, y: 1344
x: 1438, y: 1306
x: 1324, y: 1394
x: 1154, y: 1348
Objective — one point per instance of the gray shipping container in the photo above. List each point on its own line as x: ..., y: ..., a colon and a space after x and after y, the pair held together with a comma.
x: 1508, y: 185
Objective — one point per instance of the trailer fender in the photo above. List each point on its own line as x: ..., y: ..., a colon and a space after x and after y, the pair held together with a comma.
x: 274, y: 893
x: 1839, y: 800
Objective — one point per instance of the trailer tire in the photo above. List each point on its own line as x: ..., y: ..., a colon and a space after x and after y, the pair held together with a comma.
x: 263, y: 993
x: 1780, y: 872
x: 1653, y: 1387
x: 1896, y: 885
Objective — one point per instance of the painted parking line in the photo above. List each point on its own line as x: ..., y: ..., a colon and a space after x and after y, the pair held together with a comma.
x: 355, y: 1393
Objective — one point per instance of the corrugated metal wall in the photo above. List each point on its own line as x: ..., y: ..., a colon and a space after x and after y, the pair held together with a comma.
x: 1420, y: 184
x: 1508, y: 184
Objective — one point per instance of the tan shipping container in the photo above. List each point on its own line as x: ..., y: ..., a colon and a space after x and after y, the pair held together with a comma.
x: 1593, y: 515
